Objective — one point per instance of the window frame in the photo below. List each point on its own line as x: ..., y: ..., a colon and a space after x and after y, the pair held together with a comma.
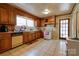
x: 27, y: 18
x: 65, y: 26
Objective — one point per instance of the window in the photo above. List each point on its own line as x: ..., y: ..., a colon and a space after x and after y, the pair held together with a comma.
x: 30, y: 22
x: 24, y: 21
x: 20, y: 21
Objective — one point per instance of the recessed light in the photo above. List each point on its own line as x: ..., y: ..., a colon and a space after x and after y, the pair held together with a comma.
x: 46, y: 11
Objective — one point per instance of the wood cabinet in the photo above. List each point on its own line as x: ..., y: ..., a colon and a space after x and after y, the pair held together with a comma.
x: 48, y: 21
x: 7, y: 16
x: 5, y: 41
x: 25, y: 37
x: 12, y: 16
x: 30, y: 36
x: 41, y: 34
x: 4, y: 16
x: 37, y: 34
x: 34, y: 35
x: 38, y: 22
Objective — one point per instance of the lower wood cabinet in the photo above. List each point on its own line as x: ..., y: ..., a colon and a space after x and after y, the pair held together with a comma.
x: 25, y: 37
x: 34, y: 35
x: 41, y: 34
x: 5, y: 41
x: 30, y: 36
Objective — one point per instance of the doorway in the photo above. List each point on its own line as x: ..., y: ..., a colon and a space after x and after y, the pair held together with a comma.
x: 63, y: 28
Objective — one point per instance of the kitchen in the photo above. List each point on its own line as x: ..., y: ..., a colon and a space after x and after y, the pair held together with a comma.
x: 19, y: 27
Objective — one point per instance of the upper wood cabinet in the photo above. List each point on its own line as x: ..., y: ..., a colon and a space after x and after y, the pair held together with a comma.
x: 4, y: 16
x: 7, y: 15
x: 38, y: 22
x: 48, y: 20
x: 12, y: 16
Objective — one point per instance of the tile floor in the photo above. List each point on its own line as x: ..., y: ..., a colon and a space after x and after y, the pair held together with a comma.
x: 39, y: 48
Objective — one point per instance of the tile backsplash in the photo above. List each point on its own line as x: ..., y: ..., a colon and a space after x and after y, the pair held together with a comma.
x: 24, y: 28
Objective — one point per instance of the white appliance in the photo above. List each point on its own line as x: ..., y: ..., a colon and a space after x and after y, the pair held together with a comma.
x: 17, y: 40
x: 48, y: 31
x: 47, y: 35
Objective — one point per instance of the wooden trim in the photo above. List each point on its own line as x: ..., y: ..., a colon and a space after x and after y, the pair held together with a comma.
x: 59, y: 28
x: 63, y: 14
x: 73, y: 8
x: 55, y: 21
x: 76, y: 24
x: 68, y: 27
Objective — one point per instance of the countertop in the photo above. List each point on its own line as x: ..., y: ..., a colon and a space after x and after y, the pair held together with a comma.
x: 16, y: 33
x: 12, y: 33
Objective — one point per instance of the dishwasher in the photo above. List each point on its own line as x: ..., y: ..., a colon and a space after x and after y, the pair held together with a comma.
x: 17, y: 39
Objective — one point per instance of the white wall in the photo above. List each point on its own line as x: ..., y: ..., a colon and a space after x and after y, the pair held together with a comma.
x: 73, y: 22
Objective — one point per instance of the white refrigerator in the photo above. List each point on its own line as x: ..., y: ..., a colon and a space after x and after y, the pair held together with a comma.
x: 48, y: 31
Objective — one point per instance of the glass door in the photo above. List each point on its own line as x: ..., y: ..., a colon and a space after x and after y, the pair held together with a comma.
x: 64, y: 28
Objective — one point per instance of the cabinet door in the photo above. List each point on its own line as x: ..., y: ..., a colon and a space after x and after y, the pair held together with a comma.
x: 38, y: 22
x: 3, y: 16
x: 30, y: 36
x: 41, y: 34
x: 25, y: 37
x: 5, y: 43
x: 1, y: 44
x: 12, y: 17
x: 34, y: 35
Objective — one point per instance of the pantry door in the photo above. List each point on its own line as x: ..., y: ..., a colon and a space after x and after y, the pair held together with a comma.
x: 64, y: 28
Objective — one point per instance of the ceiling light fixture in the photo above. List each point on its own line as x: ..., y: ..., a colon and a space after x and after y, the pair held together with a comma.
x: 46, y: 11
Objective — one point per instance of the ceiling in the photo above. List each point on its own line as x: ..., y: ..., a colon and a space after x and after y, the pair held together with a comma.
x: 37, y: 8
